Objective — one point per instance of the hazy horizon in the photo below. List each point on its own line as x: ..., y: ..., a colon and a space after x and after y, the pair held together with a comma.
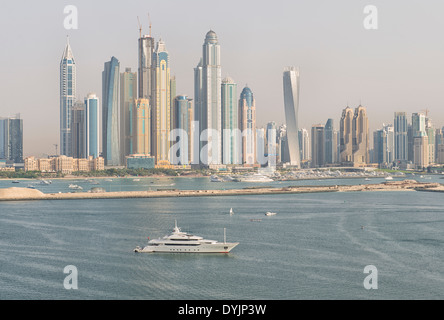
x: 397, y: 67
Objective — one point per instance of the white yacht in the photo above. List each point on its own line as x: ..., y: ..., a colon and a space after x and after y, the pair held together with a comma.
x: 215, y: 178
x: 256, y: 177
x: 270, y: 213
x: 182, y: 242
x: 389, y: 178
x: 74, y: 186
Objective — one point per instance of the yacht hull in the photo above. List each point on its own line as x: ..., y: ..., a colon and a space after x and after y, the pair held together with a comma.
x: 202, y: 248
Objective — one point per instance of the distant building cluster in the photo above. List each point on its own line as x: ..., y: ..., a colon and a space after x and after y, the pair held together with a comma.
x: 140, y: 122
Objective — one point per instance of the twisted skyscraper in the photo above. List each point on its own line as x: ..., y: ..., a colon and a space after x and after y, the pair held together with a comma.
x: 291, y: 103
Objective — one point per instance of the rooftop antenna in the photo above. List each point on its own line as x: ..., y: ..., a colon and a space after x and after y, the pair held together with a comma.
x: 149, y: 19
x: 140, y: 27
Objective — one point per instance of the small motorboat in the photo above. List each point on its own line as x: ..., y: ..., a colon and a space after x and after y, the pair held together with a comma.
x: 231, y: 211
x: 270, y: 213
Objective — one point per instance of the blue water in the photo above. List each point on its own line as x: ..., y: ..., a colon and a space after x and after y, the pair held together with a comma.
x: 314, y: 248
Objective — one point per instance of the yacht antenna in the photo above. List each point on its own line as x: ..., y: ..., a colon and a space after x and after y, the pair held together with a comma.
x: 225, y: 235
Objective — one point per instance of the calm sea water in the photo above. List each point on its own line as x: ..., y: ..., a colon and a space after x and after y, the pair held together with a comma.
x: 314, y: 248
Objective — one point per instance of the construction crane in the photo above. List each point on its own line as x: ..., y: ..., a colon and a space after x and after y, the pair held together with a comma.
x: 140, y: 27
x: 426, y: 111
x: 149, y: 19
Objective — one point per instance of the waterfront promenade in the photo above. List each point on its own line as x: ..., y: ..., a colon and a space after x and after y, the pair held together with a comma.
x: 20, y: 194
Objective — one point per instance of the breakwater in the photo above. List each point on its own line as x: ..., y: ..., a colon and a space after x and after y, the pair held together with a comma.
x: 20, y: 194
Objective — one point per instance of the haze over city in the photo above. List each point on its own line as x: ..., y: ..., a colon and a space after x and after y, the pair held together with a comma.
x: 397, y: 67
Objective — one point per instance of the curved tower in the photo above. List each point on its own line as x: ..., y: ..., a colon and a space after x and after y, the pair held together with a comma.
x: 291, y: 103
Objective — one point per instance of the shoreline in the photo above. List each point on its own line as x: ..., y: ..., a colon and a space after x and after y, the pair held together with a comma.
x: 20, y: 194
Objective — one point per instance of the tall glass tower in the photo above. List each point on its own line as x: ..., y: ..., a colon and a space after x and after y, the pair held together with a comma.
x: 110, y: 112
x: 92, y: 125
x: 291, y: 103
x: 230, y: 123
x: 211, y: 107
x: 247, y: 124
x: 67, y: 98
x: 162, y: 105
x: 401, y: 136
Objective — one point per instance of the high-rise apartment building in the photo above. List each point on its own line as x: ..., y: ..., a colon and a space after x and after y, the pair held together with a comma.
x: 11, y: 139
x: 140, y: 127
x: 230, y: 124
x: 247, y: 125
x: 271, y: 147
x: 161, y: 113
x: 354, y: 137
x: 317, y: 146
x: 346, y: 136
x: 67, y: 98
x: 401, y: 136
x: 110, y: 112
x: 78, y: 130
x: 330, y: 141
x: 420, y: 141
x: 146, y: 68
x: 128, y: 95
x: 92, y: 125
x: 291, y: 103
x: 208, y: 80
x: 430, y: 131
x: 360, y: 137
x: 304, y: 144
x: 184, y: 117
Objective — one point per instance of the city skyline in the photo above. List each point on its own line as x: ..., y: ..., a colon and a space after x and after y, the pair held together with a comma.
x: 366, y: 67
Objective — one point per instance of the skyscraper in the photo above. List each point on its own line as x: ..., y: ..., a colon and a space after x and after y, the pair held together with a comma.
x: 360, y: 137
x: 210, y: 100
x: 346, y: 136
x: 354, y: 139
x: 183, y: 116
x: 67, y: 98
x: 247, y: 125
x: 146, y: 69
x: 272, y: 144
x: 140, y: 127
x: 401, y: 136
x: 92, y: 136
x: 230, y: 124
x: 161, y: 114
x: 330, y: 142
x: 380, y: 146
x: 291, y: 103
x: 110, y: 112
x: 11, y: 139
x: 128, y: 94
x: 304, y: 144
x: 420, y: 141
x: 78, y: 131
x: 317, y: 145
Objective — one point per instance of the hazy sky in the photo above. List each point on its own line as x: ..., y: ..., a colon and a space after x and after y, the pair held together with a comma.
x: 398, y: 67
